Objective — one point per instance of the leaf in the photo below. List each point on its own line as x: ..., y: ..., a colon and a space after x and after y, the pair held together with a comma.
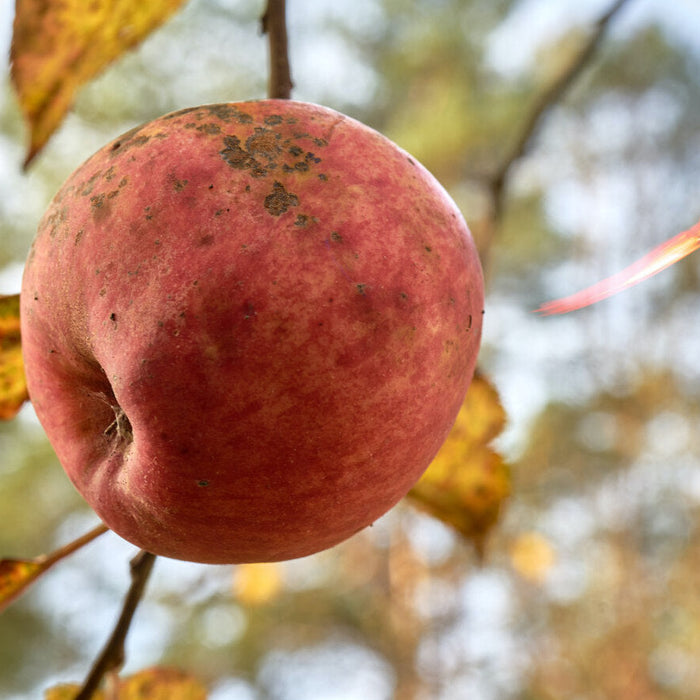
x: 58, y: 45
x: 467, y: 483
x: 659, y: 259
x: 16, y: 575
x: 149, y: 684
x: 257, y: 584
x: 68, y: 691
x: 13, y: 384
x: 161, y: 684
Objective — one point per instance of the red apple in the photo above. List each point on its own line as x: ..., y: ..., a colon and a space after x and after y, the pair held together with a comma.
x: 248, y: 328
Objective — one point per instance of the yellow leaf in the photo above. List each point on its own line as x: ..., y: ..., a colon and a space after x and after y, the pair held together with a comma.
x: 161, y: 684
x: 15, y: 576
x: 13, y: 384
x: 257, y: 584
x: 68, y: 691
x: 58, y: 45
x: 149, y: 684
x: 467, y: 482
x: 532, y: 556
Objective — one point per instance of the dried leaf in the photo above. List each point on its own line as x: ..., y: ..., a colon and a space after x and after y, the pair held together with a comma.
x: 58, y: 45
x: 149, y: 684
x: 16, y: 575
x: 467, y: 483
x: 161, y: 684
x: 13, y: 384
x: 68, y: 691
x: 659, y: 259
x: 257, y: 584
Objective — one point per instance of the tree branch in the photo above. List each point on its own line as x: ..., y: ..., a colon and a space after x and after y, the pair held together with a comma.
x: 274, y: 24
x: 549, y: 98
x: 112, y: 656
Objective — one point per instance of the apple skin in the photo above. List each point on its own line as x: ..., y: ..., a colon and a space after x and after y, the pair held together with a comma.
x: 248, y: 328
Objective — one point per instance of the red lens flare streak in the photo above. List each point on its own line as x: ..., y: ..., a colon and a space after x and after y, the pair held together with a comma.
x: 659, y: 259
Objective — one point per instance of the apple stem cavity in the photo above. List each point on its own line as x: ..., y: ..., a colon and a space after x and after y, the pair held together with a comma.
x: 120, y: 428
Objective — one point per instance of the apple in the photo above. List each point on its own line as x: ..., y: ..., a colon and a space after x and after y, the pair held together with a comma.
x: 248, y: 328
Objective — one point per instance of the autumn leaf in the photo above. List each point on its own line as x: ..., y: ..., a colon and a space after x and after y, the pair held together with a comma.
x: 659, y: 259
x: 467, y: 483
x: 161, y: 684
x: 68, y: 691
x: 149, y: 684
x: 16, y: 575
x: 13, y: 384
x: 58, y: 45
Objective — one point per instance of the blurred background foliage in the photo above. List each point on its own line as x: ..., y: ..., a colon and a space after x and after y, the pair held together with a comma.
x: 590, y: 588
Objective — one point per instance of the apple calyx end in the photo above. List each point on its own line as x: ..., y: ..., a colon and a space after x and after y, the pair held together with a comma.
x: 120, y: 428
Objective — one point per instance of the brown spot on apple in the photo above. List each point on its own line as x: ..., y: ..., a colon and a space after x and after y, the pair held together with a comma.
x: 89, y: 185
x: 238, y: 158
x: 228, y: 113
x: 264, y: 142
x: 279, y: 200
x: 210, y: 129
x: 129, y: 140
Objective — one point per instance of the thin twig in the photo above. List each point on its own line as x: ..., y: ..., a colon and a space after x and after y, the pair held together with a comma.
x: 32, y: 569
x: 62, y: 552
x: 544, y: 103
x: 112, y: 656
x: 274, y: 24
